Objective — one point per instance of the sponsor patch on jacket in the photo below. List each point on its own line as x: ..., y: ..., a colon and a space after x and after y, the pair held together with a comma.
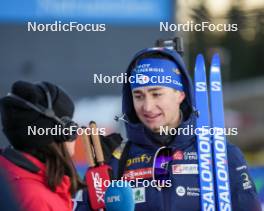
x: 139, y: 195
x: 240, y: 168
x: 180, y: 191
x: 144, y: 158
x: 143, y: 173
x: 180, y: 155
x: 190, y: 155
x: 247, y: 184
x: 187, y: 191
x: 185, y: 169
x: 177, y: 155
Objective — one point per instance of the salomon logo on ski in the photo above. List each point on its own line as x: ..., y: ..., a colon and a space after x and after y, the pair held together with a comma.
x: 203, y: 138
x: 219, y: 140
x: 211, y: 176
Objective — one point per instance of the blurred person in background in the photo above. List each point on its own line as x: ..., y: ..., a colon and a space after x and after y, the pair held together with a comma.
x: 146, y: 107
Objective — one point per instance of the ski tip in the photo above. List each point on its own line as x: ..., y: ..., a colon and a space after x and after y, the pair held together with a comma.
x: 199, y: 57
x: 216, y: 60
x: 215, y: 64
x: 199, y: 61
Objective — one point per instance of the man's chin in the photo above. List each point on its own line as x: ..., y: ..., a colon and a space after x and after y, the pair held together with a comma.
x: 154, y: 128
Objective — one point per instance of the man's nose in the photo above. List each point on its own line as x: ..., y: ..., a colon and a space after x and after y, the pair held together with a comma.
x: 148, y: 105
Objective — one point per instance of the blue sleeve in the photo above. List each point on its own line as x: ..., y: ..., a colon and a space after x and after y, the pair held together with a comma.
x: 243, y: 191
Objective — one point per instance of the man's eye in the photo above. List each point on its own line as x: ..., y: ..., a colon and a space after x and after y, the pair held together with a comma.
x: 157, y: 94
x: 138, y: 97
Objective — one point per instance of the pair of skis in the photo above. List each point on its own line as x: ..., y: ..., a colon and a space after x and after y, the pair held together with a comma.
x: 211, y: 141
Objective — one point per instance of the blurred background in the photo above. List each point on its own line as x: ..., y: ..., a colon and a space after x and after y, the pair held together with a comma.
x: 70, y: 59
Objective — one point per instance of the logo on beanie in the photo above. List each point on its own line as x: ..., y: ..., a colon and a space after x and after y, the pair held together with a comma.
x: 142, y: 79
x: 157, y: 72
x: 176, y: 70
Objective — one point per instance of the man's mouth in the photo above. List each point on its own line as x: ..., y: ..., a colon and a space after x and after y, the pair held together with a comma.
x: 151, y: 117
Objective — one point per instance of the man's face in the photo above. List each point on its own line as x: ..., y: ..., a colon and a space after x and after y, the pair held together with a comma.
x: 157, y: 106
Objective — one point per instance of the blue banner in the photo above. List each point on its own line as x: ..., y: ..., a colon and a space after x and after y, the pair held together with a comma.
x: 92, y: 11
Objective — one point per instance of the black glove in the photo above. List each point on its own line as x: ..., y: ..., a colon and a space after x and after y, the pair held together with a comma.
x: 109, y: 144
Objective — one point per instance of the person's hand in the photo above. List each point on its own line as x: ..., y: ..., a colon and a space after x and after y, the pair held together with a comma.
x: 109, y: 144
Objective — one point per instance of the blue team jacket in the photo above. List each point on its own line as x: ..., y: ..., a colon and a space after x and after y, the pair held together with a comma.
x: 184, y: 193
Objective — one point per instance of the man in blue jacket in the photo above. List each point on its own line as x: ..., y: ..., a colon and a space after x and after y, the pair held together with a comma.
x: 159, y: 97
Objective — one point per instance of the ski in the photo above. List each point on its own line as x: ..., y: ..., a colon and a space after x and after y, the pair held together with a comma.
x: 219, y: 139
x: 204, y: 144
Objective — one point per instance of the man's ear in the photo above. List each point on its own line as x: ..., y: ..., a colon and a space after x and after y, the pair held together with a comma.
x: 181, y: 96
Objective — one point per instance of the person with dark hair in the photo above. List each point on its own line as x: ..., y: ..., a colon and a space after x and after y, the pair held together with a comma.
x: 39, y: 167
x: 38, y: 164
x: 159, y: 98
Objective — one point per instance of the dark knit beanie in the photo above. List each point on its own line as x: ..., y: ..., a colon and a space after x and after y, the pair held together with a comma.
x: 16, y: 116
